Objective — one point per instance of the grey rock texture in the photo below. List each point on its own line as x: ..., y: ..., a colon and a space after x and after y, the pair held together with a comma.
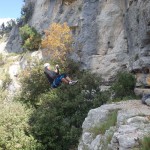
x: 146, y: 99
x: 137, y: 20
x: 110, y: 35
x: 132, y: 125
x: 14, y: 41
x: 13, y: 71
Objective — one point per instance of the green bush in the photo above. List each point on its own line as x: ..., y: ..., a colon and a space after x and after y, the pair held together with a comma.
x: 34, y: 83
x: 31, y: 39
x: 57, y: 123
x: 59, y: 114
x: 14, y: 128
x: 145, y: 143
x: 124, y: 85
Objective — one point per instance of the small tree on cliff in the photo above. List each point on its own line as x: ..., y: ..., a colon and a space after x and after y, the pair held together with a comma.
x: 58, y: 40
x: 31, y: 39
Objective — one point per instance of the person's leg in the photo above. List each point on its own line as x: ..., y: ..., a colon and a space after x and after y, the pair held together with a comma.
x: 65, y: 80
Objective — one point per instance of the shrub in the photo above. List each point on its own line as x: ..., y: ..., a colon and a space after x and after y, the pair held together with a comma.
x: 124, y: 85
x: 34, y: 83
x: 145, y: 143
x: 57, y: 121
x: 31, y: 39
x: 14, y: 128
x: 58, y: 40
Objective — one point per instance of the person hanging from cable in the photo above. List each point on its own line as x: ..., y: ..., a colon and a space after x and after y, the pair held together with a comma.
x: 55, y: 78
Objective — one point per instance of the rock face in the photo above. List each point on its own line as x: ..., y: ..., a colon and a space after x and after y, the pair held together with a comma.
x: 100, y: 40
x: 14, y: 41
x: 14, y: 86
x: 110, y: 35
x: 133, y: 123
x: 137, y: 21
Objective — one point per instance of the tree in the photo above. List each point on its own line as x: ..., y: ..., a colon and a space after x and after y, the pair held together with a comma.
x: 58, y: 40
x: 30, y: 37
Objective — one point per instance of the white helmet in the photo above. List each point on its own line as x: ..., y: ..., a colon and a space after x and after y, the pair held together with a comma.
x: 46, y: 65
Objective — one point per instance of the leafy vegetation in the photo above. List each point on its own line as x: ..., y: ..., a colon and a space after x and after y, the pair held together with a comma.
x: 124, y: 85
x: 14, y: 128
x: 30, y: 37
x: 58, y: 41
x: 33, y: 83
x: 59, y: 114
x: 52, y: 118
x: 145, y: 144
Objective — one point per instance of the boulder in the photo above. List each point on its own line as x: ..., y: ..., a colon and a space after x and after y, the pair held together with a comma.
x: 146, y: 99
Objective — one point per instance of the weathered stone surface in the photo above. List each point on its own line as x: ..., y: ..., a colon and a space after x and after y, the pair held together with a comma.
x: 146, y: 98
x: 141, y: 91
x: 147, y: 101
x: 137, y: 24
x: 97, y: 27
x: 132, y: 125
x: 109, y: 35
x: 14, y: 41
x: 14, y: 70
x: 2, y: 47
x: 1, y: 84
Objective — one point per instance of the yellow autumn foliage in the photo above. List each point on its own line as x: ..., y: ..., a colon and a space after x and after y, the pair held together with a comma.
x: 58, y: 40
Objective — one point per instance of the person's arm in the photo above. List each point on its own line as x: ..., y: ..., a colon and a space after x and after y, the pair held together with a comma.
x: 57, y: 69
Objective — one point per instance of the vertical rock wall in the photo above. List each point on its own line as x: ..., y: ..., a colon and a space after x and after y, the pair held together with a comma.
x: 137, y: 21
x: 110, y: 35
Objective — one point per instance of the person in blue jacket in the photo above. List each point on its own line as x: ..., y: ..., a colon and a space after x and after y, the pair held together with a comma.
x: 55, y: 78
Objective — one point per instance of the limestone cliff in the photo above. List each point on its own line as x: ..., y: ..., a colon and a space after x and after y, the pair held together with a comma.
x: 110, y: 35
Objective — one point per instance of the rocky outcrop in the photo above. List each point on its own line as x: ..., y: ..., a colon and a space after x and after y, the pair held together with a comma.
x: 14, y: 41
x: 133, y: 123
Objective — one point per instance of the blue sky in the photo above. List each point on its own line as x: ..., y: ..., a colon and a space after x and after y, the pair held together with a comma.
x: 10, y: 8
